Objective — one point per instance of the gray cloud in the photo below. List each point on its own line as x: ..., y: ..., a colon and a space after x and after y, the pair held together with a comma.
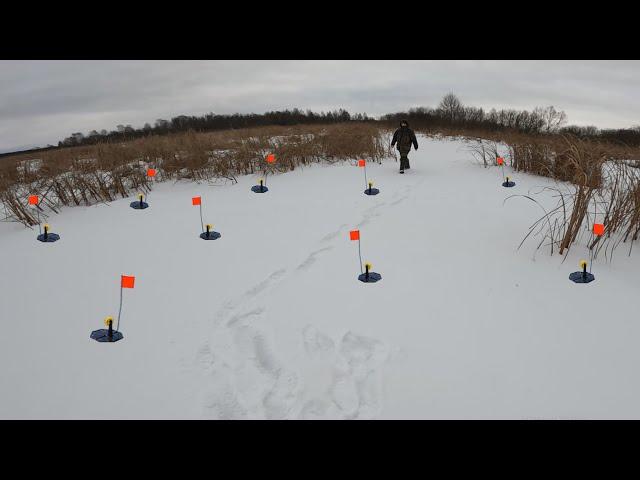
x: 43, y: 101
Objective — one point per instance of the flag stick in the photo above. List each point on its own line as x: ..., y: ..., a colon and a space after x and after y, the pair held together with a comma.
x: 38, y: 214
x: 120, y: 310
x: 359, y: 254
x: 201, y: 222
x: 365, y: 176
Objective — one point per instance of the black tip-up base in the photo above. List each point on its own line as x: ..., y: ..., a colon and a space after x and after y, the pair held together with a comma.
x: 51, y: 237
x: 139, y: 206
x: 581, y: 277
x: 372, y: 278
x: 102, y: 335
x: 210, y: 236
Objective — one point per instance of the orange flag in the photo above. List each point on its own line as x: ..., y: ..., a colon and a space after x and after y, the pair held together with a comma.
x: 33, y: 199
x: 196, y: 201
x: 127, y: 281
x: 151, y: 172
x: 598, y: 229
x: 500, y: 160
x: 354, y: 234
x: 361, y: 163
x: 271, y: 158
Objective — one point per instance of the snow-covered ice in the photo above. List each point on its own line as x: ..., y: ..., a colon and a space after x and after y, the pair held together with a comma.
x: 270, y: 320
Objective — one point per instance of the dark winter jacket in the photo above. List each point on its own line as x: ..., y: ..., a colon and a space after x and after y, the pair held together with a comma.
x: 404, y: 137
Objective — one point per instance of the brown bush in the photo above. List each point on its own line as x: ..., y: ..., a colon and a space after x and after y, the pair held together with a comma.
x: 602, y: 186
x: 601, y: 183
x: 104, y: 172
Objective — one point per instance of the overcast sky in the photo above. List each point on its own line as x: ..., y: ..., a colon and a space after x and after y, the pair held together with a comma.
x: 42, y: 102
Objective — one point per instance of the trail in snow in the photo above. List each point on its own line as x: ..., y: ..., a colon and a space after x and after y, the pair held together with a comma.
x: 271, y: 322
x: 351, y: 372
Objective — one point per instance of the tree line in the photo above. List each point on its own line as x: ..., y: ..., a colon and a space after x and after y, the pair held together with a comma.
x: 450, y: 113
x: 212, y: 122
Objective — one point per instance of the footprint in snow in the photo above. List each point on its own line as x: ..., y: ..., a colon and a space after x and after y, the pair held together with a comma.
x: 311, y: 259
x: 231, y: 305
x: 352, y: 376
x: 332, y: 235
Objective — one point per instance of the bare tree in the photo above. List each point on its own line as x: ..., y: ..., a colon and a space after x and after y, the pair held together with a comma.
x: 451, y: 107
x: 552, y: 118
x: 162, y: 123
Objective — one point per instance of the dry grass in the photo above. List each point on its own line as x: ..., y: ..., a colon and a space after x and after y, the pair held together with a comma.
x: 105, y: 172
x: 601, y: 185
x: 596, y: 182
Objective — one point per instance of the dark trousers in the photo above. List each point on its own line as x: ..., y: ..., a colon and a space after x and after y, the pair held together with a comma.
x: 404, y: 159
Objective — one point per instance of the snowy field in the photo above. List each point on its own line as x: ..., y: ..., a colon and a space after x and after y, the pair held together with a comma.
x: 270, y: 321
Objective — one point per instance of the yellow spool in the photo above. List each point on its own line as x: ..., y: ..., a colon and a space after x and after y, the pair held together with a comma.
x: 370, y: 184
x: 140, y: 196
x: 368, y: 265
x: 583, y: 263
x: 46, y: 225
x: 209, y: 226
x: 108, y: 320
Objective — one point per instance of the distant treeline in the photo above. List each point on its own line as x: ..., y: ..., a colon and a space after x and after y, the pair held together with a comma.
x: 213, y: 122
x: 625, y: 136
x: 449, y: 114
x: 31, y: 150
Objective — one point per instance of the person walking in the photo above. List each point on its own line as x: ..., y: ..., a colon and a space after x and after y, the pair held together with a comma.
x: 404, y: 137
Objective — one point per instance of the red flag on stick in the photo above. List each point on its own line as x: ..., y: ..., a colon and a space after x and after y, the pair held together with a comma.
x: 271, y: 158
x: 363, y: 164
x: 500, y: 161
x: 198, y: 201
x: 127, y: 281
x: 33, y: 200
x: 355, y: 235
x: 598, y: 229
x: 151, y: 172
